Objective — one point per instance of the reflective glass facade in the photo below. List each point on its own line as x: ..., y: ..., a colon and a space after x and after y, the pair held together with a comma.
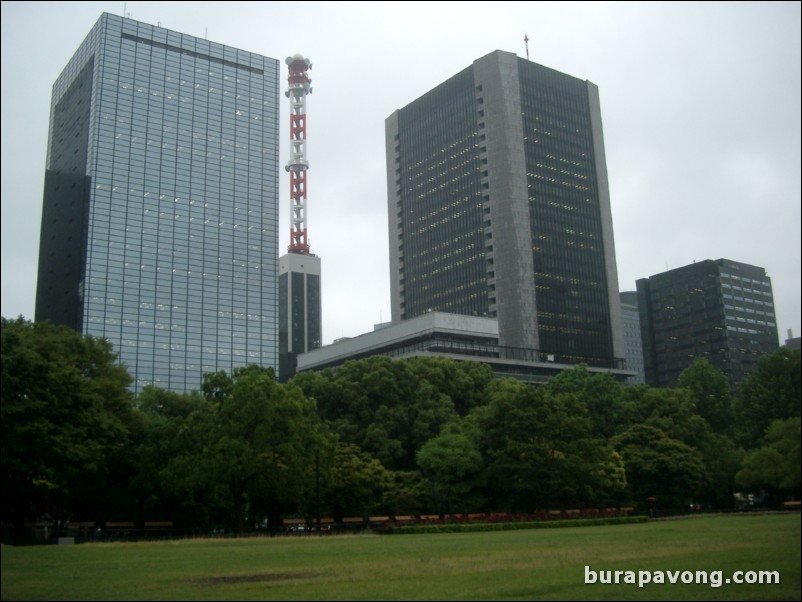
x: 633, y: 347
x: 159, y: 227
x: 720, y: 310
x: 443, y: 240
x: 565, y: 214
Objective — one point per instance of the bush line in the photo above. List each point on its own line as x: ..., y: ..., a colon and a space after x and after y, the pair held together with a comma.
x: 478, y: 527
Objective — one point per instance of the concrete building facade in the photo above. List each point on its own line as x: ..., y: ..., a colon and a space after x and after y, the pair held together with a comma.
x: 452, y: 336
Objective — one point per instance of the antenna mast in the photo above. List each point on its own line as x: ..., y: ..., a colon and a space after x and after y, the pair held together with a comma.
x: 299, y: 86
x: 526, y: 41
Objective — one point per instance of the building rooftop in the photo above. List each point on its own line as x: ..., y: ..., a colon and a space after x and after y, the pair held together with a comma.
x: 458, y: 337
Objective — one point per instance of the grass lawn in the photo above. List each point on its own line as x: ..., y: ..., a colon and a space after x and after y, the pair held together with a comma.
x: 513, y: 565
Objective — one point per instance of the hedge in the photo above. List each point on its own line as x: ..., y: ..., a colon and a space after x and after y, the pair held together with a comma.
x: 511, y: 526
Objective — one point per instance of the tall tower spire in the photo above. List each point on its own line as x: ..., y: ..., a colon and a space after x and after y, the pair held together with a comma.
x: 299, y: 85
x: 300, y: 311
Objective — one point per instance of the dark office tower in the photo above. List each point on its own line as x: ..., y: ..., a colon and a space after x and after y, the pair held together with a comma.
x: 720, y: 310
x: 300, y: 312
x: 159, y: 225
x: 499, y: 207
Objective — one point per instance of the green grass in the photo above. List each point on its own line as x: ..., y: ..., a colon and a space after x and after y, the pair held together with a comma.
x: 514, y: 565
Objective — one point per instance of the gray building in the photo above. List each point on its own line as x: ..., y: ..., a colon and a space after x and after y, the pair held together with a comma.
x: 159, y: 224
x: 633, y: 347
x: 793, y: 342
x: 720, y: 310
x: 499, y: 207
x: 452, y: 336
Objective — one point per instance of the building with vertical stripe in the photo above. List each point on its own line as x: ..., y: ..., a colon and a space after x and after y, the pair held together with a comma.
x: 499, y: 207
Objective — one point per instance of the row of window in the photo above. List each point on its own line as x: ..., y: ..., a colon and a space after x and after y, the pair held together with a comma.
x: 188, y: 233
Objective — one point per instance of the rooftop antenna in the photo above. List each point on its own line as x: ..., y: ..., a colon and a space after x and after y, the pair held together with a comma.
x: 299, y: 85
x: 526, y: 41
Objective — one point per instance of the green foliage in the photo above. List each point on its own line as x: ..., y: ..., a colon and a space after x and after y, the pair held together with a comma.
x: 396, y: 437
x: 602, y: 395
x: 390, y: 408
x: 710, y: 390
x: 772, y: 392
x: 453, y: 466
x: 357, y: 484
x: 777, y: 465
x: 464, y: 383
x: 722, y: 459
x: 260, y: 440
x: 172, y: 426
x: 660, y: 466
x: 539, y: 448
x: 513, y: 526
x: 161, y: 403
x: 408, y: 496
x: 66, y: 411
x: 673, y: 411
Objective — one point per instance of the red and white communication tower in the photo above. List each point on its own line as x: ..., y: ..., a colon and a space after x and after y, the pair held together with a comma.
x: 299, y: 87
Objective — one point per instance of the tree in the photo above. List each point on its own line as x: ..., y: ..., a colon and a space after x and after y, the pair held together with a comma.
x: 464, y: 383
x: 65, y: 410
x: 776, y: 466
x: 772, y: 392
x: 258, y: 440
x: 710, y: 389
x: 673, y: 411
x: 600, y: 393
x: 722, y: 459
x: 453, y: 466
x: 539, y: 447
x: 389, y: 408
x: 166, y: 488
x: 357, y: 484
x: 661, y: 467
x: 408, y: 496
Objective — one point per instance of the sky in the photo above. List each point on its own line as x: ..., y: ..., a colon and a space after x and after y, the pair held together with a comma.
x: 700, y: 106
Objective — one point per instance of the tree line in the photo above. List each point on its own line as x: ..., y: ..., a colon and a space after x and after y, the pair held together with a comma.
x: 376, y: 437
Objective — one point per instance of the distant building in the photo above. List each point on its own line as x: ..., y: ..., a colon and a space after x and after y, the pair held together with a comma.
x: 721, y: 310
x: 453, y: 336
x: 159, y: 221
x: 633, y: 347
x: 300, y: 312
x: 499, y: 207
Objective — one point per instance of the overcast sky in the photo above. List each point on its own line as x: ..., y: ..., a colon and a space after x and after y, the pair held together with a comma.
x: 700, y: 104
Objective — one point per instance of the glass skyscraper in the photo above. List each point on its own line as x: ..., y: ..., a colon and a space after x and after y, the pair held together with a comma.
x: 159, y: 225
x: 499, y: 206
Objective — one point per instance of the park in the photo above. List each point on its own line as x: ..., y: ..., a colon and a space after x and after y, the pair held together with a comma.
x: 510, y: 565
